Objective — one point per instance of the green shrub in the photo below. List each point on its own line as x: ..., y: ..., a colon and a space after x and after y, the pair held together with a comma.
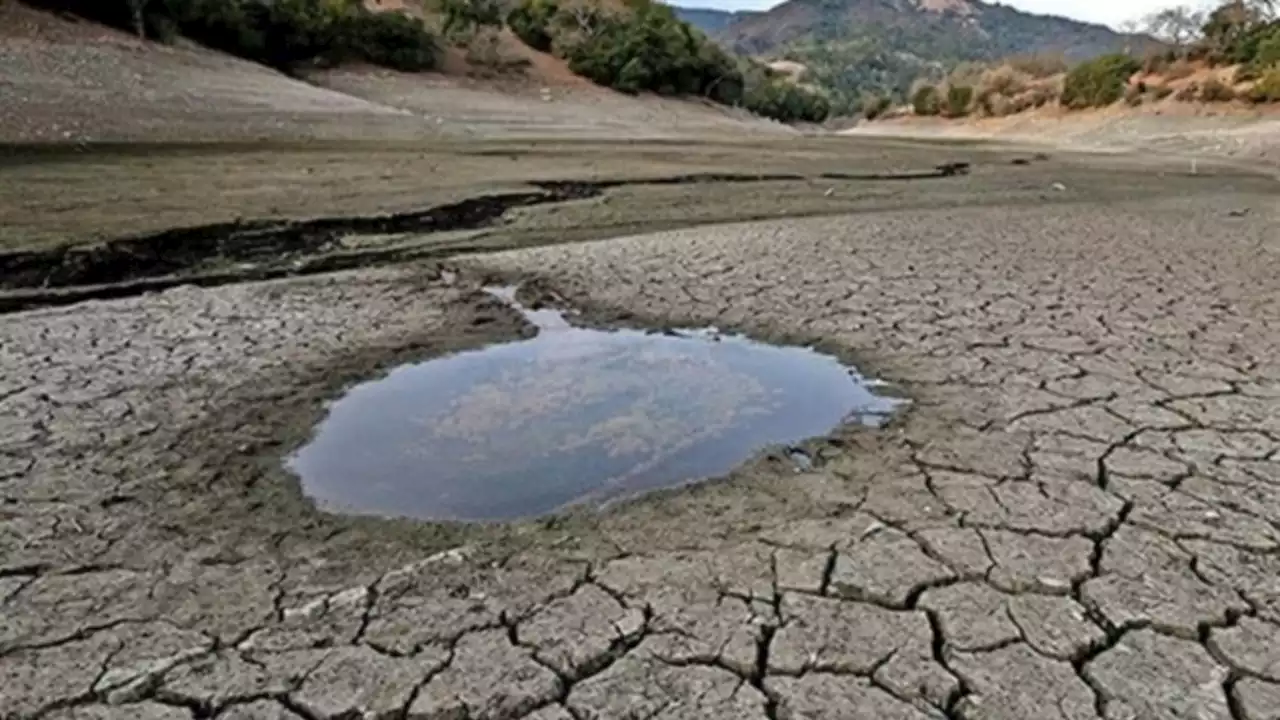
x: 1263, y: 56
x: 959, y: 98
x: 647, y: 50
x: 285, y: 34
x: 1098, y: 82
x: 1257, y: 45
x: 1267, y: 88
x: 1268, y: 53
x: 782, y: 100
x: 463, y: 17
x: 531, y: 22
x: 925, y: 101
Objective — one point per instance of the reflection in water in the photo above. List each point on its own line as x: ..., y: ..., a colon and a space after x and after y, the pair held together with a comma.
x: 573, y: 415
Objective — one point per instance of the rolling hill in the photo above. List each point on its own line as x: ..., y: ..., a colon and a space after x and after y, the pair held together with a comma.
x: 857, y: 46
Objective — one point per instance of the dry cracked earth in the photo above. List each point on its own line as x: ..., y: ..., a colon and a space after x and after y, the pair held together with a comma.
x: 1078, y: 517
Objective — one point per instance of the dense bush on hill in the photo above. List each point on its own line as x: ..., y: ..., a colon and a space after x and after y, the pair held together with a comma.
x: 959, y: 98
x: 925, y: 101
x: 1098, y: 82
x: 1267, y: 87
x: 285, y: 34
x: 645, y: 48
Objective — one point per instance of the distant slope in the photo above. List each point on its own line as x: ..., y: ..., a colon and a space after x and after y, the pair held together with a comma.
x: 69, y: 81
x: 854, y: 46
x: 711, y: 21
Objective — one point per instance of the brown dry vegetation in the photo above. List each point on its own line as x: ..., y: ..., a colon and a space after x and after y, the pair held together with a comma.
x: 1233, y: 57
x: 1008, y: 89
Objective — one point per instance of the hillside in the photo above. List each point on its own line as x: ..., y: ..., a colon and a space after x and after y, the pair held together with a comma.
x: 73, y: 81
x: 880, y: 46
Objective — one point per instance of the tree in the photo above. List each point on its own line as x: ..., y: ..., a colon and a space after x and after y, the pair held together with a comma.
x: 1229, y: 22
x: 1265, y: 9
x: 138, y: 12
x: 1179, y: 26
x: 1240, y: 31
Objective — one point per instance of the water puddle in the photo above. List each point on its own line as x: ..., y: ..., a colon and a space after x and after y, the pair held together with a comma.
x: 571, y: 416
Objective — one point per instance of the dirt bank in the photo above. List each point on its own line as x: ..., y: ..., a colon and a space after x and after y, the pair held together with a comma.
x: 1230, y: 132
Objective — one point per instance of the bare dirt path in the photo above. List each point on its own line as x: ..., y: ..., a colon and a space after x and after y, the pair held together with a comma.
x: 1078, y: 518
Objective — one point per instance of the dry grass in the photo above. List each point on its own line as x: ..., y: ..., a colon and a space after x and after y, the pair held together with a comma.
x: 1038, y: 66
x: 1179, y: 70
x: 1006, y: 90
x: 1004, y: 80
x: 1215, y: 90
x: 1021, y: 85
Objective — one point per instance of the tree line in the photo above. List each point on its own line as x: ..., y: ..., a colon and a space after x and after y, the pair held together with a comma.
x: 646, y: 48
x: 284, y: 34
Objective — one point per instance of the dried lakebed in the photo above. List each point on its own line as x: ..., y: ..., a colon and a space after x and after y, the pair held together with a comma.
x: 571, y: 416
x: 261, y: 249
x: 1078, y: 520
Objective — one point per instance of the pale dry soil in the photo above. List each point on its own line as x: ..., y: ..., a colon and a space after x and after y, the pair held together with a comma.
x: 1078, y: 518
x: 1234, y: 132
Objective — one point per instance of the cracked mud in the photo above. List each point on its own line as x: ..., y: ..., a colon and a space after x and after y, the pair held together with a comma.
x: 1079, y: 517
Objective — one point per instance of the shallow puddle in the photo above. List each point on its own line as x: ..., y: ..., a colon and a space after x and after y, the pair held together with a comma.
x: 571, y: 416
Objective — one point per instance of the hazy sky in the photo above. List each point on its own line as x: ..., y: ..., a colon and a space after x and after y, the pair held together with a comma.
x: 1109, y: 12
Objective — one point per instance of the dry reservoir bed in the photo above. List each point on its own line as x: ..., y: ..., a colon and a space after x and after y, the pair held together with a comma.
x: 1078, y: 516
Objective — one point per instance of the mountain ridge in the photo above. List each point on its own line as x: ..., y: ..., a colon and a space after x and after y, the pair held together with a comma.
x: 711, y: 20
x: 856, y: 47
